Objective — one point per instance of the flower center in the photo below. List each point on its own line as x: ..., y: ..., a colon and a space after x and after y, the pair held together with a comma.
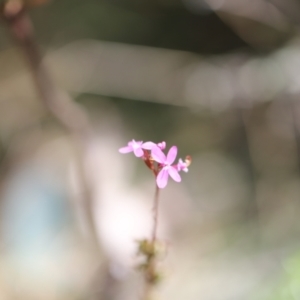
x: 135, y: 145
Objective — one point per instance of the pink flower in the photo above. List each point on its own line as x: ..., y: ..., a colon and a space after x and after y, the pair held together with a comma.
x: 182, y: 166
x: 167, y: 168
x: 137, y: 147
x: 159, y: 163
x: 162, y: 145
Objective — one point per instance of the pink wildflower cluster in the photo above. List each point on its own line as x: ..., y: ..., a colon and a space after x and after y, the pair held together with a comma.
x: 156, y: 160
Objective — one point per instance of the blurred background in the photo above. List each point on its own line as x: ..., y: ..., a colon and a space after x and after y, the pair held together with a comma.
x: 218, y: 78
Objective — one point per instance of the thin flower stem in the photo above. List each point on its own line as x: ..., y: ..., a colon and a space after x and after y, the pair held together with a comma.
x: 155, y: 215
x: 150, y: 271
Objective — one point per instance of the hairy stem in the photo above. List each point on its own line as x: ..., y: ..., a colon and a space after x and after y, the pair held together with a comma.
x: 150, y: 271
x: 155, y: 215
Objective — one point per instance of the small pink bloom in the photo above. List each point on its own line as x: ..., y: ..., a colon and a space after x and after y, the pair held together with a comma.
x: 162, y: 145
x: 167, y: 169
x: 137, y: 147
x: 133, y: 146
x: 182, y: 166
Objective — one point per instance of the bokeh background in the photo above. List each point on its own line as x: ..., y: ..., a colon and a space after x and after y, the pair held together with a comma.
x: 218, y: 78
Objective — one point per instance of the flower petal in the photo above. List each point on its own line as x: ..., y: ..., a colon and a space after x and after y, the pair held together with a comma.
x: 162, y: 145
x: 158, y: 155
x: 172, y: 155
x: 174, y: 174
x: 148, y: 145
x: 162, y: 178
x: 126, y: 149
x: 138, y: 152
x: 135, y: 144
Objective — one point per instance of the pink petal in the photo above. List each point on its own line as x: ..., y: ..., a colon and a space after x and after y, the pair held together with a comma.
x: 174, y: 174
x: 162, y: 178
x: 172, y: 155
x: 138, y: 152
x: 158, y: 155
x: 148, y: 145
x: 126, y: 149
x: 134, y: 143
x: 162, y: 145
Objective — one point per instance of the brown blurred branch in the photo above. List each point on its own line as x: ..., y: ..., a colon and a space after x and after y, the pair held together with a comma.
x: 57, y: 102
x: 71, y: 116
